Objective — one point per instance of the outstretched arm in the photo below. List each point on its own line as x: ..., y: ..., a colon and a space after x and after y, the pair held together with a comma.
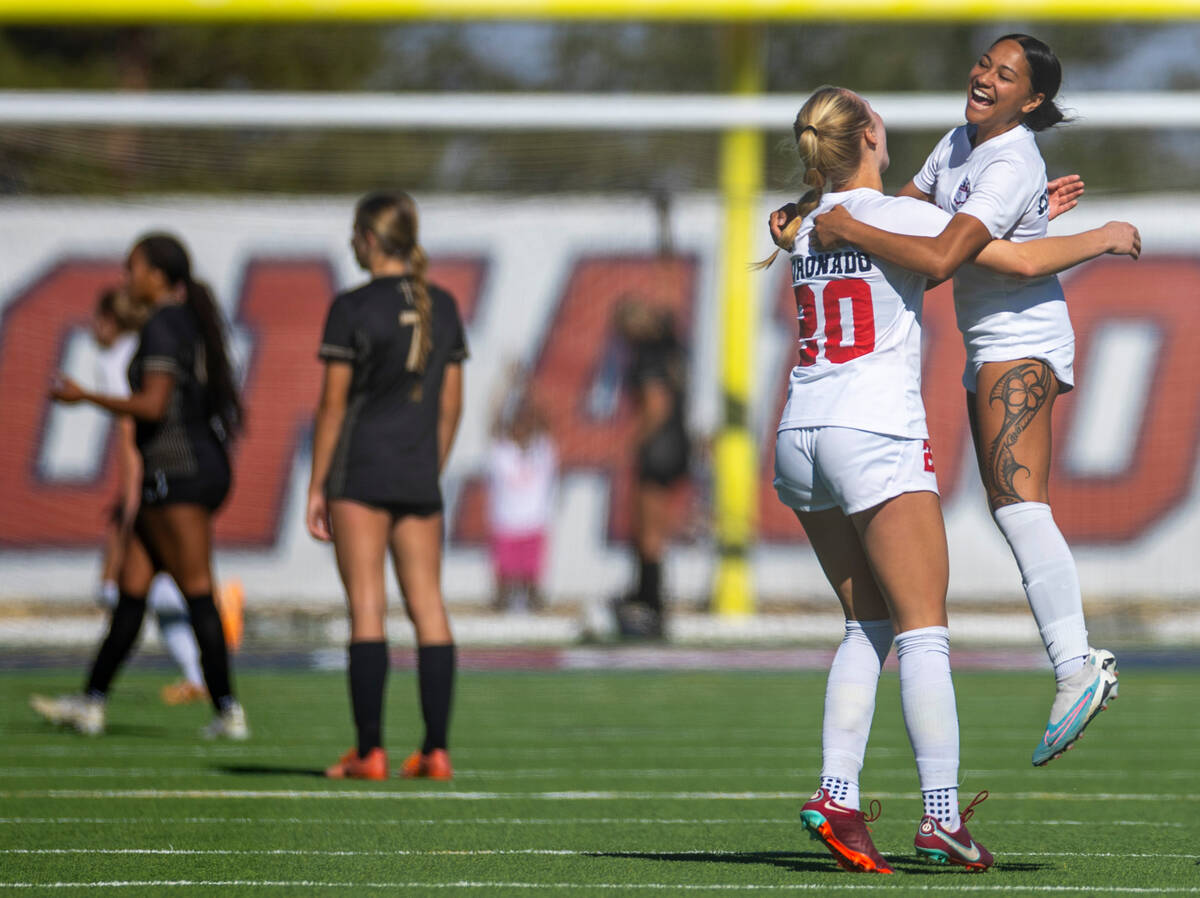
x: 1050, y: 255
x: 147, y: 404
x: 781, y: 217
x: 935, y: 257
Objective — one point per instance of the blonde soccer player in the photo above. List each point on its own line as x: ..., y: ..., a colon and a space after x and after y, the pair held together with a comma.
x: 392, y: 395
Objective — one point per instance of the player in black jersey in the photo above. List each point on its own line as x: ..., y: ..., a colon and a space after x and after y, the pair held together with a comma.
x: 186, y: 408
x: 655, y: 379
x: 393, y: 352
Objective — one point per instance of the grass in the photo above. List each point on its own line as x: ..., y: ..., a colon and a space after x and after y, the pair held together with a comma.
x: 583, y: 783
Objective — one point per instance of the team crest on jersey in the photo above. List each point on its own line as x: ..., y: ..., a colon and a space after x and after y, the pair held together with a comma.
x: 1043, y: 202
x: 961, y: 194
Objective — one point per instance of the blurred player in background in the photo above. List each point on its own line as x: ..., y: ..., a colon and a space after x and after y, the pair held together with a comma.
x: 1020, y: 345
x: 854, y: 463
x: 186, y: 407
x: 656, y: 381
x: 389, y: 409
x: 522, y: 472
x: 115, y: 326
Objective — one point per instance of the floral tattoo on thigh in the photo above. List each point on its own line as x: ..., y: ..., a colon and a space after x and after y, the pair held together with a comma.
x: 1022, y: 391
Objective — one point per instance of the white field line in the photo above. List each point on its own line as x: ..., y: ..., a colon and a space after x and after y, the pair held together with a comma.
x: 488, y: 852
x: 525, y: 821
x: 797, y: 753
x: 58, y: 750
x: 553, y: 772
x: 388, y: 795
x: 1104, y: 889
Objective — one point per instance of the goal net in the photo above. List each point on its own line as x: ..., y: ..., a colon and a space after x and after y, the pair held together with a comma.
x: 540, y: 232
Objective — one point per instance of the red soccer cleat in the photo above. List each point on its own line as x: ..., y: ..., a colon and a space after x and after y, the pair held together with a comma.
x: 351, y: 767
x: 844, y: 832
x: 941, y: 846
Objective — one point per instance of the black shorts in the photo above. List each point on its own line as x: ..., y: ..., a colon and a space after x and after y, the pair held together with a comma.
x: 397, y: 509
x: 663, y: 458
x: 208, y: 488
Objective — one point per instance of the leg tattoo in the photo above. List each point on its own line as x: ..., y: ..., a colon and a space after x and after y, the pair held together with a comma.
x: 1023, y: 390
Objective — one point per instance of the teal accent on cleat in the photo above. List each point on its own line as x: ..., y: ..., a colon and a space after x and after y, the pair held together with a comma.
x: 937, y: 844
x: 1079, y: 699
x: 934, y: 854
x: 844, y: 832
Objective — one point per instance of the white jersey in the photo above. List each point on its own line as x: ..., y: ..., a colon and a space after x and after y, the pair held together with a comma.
x: 860, y: 325
x: 112, y: 366
x: 1001, y: 182
x: 521, y: 486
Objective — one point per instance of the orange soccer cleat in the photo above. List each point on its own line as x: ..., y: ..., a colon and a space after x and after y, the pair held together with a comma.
x: 434, y: 766
x: 844, y: 832
x: 351, y: 767
x: 183, y: 692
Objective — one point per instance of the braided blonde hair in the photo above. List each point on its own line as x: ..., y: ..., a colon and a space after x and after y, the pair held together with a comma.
x: 828, y: 129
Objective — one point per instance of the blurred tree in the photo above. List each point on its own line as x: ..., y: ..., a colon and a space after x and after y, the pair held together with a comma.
x: 490, y: 56
x: 299, y: 57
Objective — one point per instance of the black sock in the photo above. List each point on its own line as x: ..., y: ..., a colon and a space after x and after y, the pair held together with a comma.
x: 123, y: 629
x: 214, y: 656
x: 650, y: 583
x: 435, y: 677
x: 368, y: 676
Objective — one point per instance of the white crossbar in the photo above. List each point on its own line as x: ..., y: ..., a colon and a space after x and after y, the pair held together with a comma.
x: 539, y: 112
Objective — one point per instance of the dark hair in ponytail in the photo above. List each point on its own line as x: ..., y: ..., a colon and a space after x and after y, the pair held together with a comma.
x: 166, y: 254
x: 1045, y: 76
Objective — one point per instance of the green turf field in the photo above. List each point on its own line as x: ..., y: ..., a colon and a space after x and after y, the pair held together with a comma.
x: 584, y: 784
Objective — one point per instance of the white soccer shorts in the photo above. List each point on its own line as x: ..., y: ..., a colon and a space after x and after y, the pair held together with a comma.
x: 822, y: 467
x: 1061, y: 361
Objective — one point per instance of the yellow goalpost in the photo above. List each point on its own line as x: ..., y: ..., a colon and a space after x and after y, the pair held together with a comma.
x: 147, y: 11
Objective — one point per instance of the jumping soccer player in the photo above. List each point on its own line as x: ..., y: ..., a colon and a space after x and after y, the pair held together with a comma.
x: 1020, y: 345
x: 853, y: 461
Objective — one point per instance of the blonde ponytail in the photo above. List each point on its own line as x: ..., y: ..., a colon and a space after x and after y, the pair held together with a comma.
x: 827, y: 131
x: 418, y: 260
x: 392, y: 218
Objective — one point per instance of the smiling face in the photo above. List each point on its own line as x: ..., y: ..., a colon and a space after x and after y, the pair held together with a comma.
x: 1000, y: 90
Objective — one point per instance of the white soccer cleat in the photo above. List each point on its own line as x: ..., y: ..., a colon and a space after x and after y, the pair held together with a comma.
x: 1080, y: 698
x: 81, y: 713
x: 229, y: 724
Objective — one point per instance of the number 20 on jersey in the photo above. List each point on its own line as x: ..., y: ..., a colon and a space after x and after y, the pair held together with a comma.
x: 841, y: 298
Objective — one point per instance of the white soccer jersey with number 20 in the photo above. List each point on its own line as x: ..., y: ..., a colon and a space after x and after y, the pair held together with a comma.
x: 860, y: 325
x: 1002, y: 183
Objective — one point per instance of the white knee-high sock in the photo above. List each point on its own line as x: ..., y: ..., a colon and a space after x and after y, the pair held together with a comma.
x: 1051, y: 582
x: 176, y: 627
x: 850, y: 705
x: 931, y: 718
